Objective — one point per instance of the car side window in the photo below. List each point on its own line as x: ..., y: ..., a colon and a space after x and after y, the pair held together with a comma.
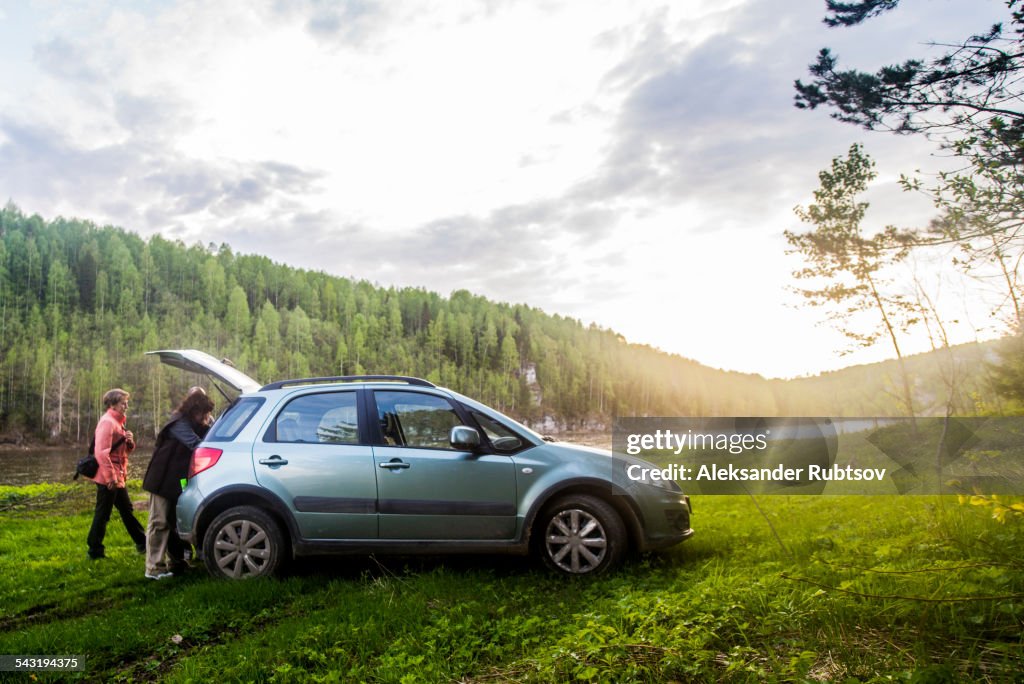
x: 328, y: 418
x: 416, y: 420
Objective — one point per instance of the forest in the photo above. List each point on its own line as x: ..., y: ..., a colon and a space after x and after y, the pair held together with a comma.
x: 80, y: 304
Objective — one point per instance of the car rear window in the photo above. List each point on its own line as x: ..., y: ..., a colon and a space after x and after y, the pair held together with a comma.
x: 234, y: 419
x: 328, y: 418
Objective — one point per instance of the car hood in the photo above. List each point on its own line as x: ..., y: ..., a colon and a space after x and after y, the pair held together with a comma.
x: 619, y: 463
x: 195, y: 361
x: 580, y: 451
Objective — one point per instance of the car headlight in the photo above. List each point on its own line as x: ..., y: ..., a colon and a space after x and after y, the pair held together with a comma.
x: 650, y: 475
x: 667, y: 485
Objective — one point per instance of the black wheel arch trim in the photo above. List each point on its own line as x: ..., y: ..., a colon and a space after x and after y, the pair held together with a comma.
x: 612, y: 494
x: 216, y: 503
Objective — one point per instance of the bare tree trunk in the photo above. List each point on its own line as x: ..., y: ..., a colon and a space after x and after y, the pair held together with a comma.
x: 1010, y: 275
x: 908, y: 397
x: 42, y: 400
x: 60, y: 412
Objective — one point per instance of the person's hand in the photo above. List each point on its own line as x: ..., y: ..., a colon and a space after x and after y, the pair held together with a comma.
x: 129, y: 436
x: 111, y: 485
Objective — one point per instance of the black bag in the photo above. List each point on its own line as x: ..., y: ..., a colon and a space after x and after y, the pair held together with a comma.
x: 88, y: 465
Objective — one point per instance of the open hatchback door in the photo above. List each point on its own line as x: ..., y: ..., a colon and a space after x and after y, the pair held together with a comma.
x: 195, y: 361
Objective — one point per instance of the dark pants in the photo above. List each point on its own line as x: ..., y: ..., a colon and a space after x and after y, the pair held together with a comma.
x: 176, y: 546
x: 176, y: 552
x: 106, y: 500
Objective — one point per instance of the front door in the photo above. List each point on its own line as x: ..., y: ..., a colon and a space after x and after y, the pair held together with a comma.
x: 428, y: 490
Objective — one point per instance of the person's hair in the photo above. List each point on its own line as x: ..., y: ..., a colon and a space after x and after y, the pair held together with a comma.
x: 113, y: 397
x: 195, y: 405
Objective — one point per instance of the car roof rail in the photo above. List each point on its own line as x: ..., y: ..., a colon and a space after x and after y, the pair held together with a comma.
x: 420, y: 382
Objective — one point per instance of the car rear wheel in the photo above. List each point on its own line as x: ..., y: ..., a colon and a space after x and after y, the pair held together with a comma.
x: 580, y: 535
x: 242, y: 543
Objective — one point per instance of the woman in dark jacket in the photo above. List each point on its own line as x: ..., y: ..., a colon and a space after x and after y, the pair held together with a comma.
x: 165, y: 552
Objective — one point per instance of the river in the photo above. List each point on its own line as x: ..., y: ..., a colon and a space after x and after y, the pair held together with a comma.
x: 32, y: 466
x: 35, y: 465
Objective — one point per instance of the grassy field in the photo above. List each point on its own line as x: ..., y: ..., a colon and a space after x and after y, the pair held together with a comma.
x: 917, y: 589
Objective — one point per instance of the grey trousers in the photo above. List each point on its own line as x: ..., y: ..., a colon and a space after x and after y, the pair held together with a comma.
x: 164, y: 550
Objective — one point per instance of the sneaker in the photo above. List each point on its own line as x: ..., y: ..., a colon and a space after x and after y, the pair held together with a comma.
x: 96, y: 556
x: 158, y: 575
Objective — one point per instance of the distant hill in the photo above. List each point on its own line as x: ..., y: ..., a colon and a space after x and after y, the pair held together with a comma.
x: 80, y: 304
x: 957, y: 376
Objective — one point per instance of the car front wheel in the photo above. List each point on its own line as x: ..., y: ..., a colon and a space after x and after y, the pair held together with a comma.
x: 242, y: 543
x: 580, y: 535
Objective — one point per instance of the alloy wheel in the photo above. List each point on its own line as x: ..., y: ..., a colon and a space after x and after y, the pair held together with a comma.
x: 242, y: 549
x: 575, y: 541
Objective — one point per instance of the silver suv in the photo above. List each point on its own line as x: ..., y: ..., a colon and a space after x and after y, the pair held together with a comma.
x: 392, y: 464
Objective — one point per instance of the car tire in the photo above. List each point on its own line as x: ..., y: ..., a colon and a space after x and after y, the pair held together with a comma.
x: 580, y: 535
x: 243, y: 543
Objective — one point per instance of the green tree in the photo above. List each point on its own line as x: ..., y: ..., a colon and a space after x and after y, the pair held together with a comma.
x: 59, y: 313
x: 238, y: 312
x: 846, y: 267
x: 970, y: 100
x: 268, y: 330
x: 5, y: 288
x: 214, y: 284
x: 971, y: 92
x: 1008, y: 375
x: 299, y: 339
x: 982, y: 213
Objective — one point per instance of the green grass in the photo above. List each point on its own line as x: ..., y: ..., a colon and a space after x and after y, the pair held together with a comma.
x: 860, y: 591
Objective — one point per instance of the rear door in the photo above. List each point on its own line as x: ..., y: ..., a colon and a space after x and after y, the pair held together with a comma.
x: 311, y: 455
x: 427, y: 489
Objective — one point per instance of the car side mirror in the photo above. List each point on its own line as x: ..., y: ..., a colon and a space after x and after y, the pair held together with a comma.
x: 464, y: 437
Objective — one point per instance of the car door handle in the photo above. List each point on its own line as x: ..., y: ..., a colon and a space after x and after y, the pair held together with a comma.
x: 393, y: 465
x: 274, y: 461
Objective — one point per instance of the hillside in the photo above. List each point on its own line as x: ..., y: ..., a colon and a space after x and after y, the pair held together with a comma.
x: 80, y: 304
x: 958, y: 375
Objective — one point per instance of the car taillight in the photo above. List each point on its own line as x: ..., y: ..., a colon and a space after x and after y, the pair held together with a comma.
x: 203, y: 458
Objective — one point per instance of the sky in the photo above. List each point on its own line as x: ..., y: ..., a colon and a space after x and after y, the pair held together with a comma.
x: 631, y: 164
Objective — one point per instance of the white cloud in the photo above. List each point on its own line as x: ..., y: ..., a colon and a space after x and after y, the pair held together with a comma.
x: 612, y: 161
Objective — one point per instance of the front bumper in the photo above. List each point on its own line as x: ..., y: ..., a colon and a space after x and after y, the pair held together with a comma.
x: 666, y: 522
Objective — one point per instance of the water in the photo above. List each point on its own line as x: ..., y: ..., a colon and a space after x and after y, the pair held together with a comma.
x: 599, y: 440
x: 33, y: 466
x: 43, y: 464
